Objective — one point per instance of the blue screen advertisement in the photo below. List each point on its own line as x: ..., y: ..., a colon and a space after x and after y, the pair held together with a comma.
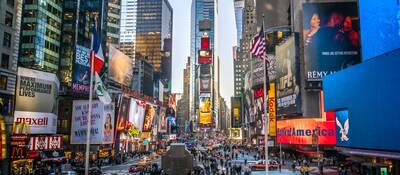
x: 342, y: 128
x: 380, y: 27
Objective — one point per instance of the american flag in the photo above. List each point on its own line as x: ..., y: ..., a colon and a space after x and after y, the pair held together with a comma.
x: 259, y: 46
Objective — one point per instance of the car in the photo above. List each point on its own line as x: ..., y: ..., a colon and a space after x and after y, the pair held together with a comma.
x: 135, y: 169
x: 260, y: 165
x: 144, y: 163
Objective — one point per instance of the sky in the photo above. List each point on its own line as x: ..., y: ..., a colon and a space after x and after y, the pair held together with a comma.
x: 181, y: 44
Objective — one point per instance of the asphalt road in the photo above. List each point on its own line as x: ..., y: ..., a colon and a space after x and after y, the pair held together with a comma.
x: 122, y: 169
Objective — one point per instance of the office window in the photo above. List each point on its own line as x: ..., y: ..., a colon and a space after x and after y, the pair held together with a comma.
x: 3, y: 82
x: 5, y: 59
x: 7, y: 39
x: 10, y: 3
x: 8, y: 20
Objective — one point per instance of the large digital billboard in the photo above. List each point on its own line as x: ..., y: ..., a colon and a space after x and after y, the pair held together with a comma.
x: 236, y: 111
x: 331, y: 38
x: 383, y: 33
x: 148, y: 118
x: 287, y: 78
x: 205, y: 110
x: 123, y: 114
x: 302, y: 131
x: 272, y: 109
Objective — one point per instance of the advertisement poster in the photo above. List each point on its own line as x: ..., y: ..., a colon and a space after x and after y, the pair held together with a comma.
x: 35, y: 88
x: 102, y: 120
x: 288, y: 86
x: 272, y: 109
x: 39, y: 123
x: 331, y: 38
x: 162, y: 125
x: 45, y: 143
x: 120, y: 67
x: 81, y: 71
x: 236, y: 111
x: 235, y: 133
x: 205, y: 110
x: 136, y: 113
x: 148, y: 118
x: 301, y: 131
x: 123, y: 114
x: 205, y: 84
x: 258, y: 110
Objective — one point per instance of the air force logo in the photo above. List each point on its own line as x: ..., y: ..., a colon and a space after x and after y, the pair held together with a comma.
x: 344, y: 129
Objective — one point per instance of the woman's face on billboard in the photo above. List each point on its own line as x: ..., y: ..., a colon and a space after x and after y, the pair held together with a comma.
x: 315, y: 21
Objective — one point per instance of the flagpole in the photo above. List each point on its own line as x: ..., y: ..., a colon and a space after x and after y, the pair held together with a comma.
x: 265, y: 109
x: 89, y: 117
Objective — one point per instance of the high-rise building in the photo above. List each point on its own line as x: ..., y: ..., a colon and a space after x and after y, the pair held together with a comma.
x: 154, y: 35
x: 10, y: 22
x: 204, y: 25
x: 128, y: 27
x: 40, y: 35
x: 183, y: 109
x: 239, y: 8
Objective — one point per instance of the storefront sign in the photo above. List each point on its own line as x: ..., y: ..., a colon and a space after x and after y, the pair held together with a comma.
x: 301, y: 131
x: 45, y: 143
x: 3, y: 139
x: 39, y: 123
x: 272, y: 109
x: 34, y: 89
x: 102, y: 126
x: 51, y: 154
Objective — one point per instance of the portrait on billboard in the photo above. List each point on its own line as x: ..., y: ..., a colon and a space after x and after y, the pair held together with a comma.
x: 331, y: 37
x: 287, y: 78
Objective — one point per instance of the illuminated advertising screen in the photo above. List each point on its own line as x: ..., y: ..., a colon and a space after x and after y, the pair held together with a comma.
x: 331, y: 38
x: 205, y: 57
x: 123, y: 114
x: 205, y: 84
x: 383, y: 34
x: 205, y: 110
x: 236, y: 111
x: 148, y: 118
x: 288, y: 81
x: 205, y: 43
x: 81, y: 71
x: 302, y: 131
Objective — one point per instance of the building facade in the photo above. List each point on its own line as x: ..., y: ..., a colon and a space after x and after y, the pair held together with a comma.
x: 154, y: 34
x: 204, y: 24
x: 128, y: 27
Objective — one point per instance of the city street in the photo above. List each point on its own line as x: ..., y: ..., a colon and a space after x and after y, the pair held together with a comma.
x: 199, y: 87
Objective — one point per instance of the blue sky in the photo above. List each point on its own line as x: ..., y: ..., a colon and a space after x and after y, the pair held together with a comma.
x: 181, y: 44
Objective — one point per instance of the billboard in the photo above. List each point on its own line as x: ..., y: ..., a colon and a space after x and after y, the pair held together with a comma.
x: 302, y: 131
x: 120, y: 67
x: 205, y: 43
x: 205, y: 110
x: 276, y: 12
x: 287, y: 78
x: 331, y: 38
x: 383, y: 34
x: 162, y: 122
x: 39, y: 143
x: 149, y: 117
x: 204, y: 25
x: 102, y: 122
x: 236, y: 112
x: 123, y: 113
x: 136, y: 113
x: 205, y: 84
x: 235, y: 133
x: 272, y: 109
x: 35, y: 88
x: 205, y: 57
x: 81, y: 71
x: 39, y: 123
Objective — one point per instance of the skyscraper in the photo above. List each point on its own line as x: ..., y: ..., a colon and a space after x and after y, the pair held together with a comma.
x: 128, y: 27
x: 204, y: 25
x: 40, y: 35
x: 154, y: 36
x: 239, y: 7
